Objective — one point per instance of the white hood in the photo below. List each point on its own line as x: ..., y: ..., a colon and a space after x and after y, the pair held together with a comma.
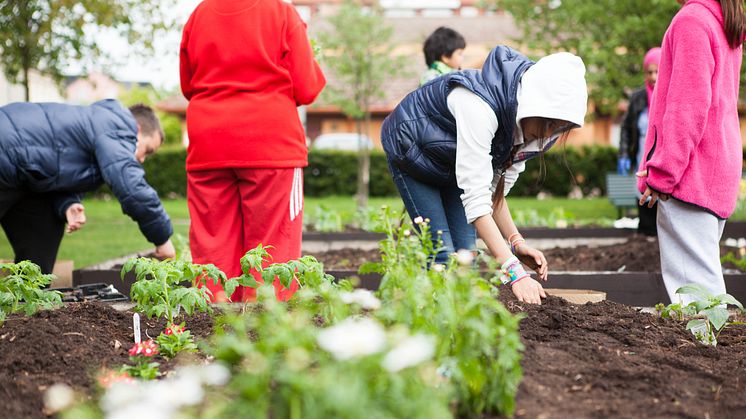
x: 554, y: 88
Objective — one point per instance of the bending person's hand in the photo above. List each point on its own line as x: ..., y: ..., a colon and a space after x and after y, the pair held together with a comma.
x: 528, y: 290
x: 165, y: 251
x: 532, y: 258
x: 75, y: 215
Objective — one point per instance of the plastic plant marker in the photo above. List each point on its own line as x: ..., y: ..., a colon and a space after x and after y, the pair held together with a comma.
x: 136, y: 327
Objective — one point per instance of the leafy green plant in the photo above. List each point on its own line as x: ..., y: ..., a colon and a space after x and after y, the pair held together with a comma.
x: 711, y: 310
x: 159, y: 287
x: 284, y: 365
x: 740, y: 262
x: 479, y: 347
x: 326, y: 220
x: 21, y: 289
x: 174, y: 340
x: 141, y: 354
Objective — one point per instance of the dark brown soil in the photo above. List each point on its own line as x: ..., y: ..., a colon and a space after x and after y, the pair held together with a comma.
x: 609, y: 360
x: 68, y: 346
x: 592, y: 361
x: 638, y: 254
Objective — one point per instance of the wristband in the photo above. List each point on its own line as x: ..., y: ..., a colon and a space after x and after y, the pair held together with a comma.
x: 514, y: 245
x: 512, y: 271
x: 510, y: 238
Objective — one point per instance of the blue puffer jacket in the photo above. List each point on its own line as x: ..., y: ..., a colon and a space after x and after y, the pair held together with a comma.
x: 419, y: 136
x: 66, y: 150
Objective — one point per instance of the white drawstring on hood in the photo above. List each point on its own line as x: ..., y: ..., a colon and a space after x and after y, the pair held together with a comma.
x: 554, y: 88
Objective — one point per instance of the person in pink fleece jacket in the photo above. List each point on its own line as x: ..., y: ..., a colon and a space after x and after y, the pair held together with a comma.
x: 693, y: 144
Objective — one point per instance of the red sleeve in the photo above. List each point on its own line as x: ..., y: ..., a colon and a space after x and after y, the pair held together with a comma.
x: 185, y: 70
x: 688, y: 104
x: 308, y: 80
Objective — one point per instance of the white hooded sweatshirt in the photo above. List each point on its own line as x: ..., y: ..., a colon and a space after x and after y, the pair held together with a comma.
x: 554, y: 88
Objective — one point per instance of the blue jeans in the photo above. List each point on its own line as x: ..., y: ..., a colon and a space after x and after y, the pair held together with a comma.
x: 442, y: 205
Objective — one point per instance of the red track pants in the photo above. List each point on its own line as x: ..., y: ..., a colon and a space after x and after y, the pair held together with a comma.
x: 234, y: 210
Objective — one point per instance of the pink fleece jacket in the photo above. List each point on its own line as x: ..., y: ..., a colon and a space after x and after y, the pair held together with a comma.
x: 693, y: 144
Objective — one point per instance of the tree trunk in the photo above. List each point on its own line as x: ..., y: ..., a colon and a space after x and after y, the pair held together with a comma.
x: 26, y: 89
x: 363, y: 163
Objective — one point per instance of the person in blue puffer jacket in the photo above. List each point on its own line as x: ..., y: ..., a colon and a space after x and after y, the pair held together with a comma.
x: 456, y: 146
x: 52, y: 153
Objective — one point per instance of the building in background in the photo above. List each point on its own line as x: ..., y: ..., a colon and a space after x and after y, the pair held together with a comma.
x: 96, y: 86
x: 42, y: 89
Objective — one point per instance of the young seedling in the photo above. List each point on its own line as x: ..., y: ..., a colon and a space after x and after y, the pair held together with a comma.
x: 159, y: 289
x: 141, y: 355
x: 174, y: 340
x: 711, y: 308
x: 21, y: 289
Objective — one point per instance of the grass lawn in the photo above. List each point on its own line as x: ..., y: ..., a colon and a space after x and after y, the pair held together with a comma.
x: 109, y: 234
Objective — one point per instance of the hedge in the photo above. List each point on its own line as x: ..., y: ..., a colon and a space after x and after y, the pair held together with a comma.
x: 335, y: 172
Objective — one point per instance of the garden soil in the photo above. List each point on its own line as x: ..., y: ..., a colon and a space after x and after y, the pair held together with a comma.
x: 638, y: 254
x: 607, y: 360
x: 591, y: 361
x: 68, y: 346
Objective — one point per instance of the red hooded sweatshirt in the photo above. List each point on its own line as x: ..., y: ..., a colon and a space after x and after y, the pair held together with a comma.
x: 245, y: 67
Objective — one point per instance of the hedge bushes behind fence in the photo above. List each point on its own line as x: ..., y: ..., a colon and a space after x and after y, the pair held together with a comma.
x: 335, y: 172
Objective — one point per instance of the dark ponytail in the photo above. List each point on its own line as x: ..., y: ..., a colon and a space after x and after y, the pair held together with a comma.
x: 734, y: 21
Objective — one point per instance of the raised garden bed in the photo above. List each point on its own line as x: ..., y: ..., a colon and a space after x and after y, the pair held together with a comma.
x: 596, y: 360
x: 67, y: 345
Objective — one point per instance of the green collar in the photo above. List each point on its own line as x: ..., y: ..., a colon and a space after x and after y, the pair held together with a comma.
x: 440, y: 67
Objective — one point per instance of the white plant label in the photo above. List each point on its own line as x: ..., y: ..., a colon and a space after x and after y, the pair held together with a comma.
x: 136, y: 326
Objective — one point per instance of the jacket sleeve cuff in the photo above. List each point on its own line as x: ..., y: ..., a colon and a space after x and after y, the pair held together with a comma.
x: 157, y: 232
x: 658, y: 182
x: 476, y: 211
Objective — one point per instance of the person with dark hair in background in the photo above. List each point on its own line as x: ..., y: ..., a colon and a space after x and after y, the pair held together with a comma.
x: 443, y: 50
x: 51, y: 153
x: 632, y: 138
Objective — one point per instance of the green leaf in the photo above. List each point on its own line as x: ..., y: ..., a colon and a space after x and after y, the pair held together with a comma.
x: 696, y: 290
x: 230, y: 286
x: 371, y: 267
x: 729, y: 299
x: 695, y: 323
x: 718, y: 316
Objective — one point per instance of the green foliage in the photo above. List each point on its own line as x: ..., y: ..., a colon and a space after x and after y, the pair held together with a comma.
x: 47, y: 35
x: 710, y: 310
x: 280, y: 370
x: 174, y: 340
x: 357, y: 53
x: 160, y: 291
x: 566, y: 167
x: 740, y: 262
x: 329, y: 173
x: 21, y: 289
x: 611, y: 36
x: 326, y: 220
x: 478, y: 342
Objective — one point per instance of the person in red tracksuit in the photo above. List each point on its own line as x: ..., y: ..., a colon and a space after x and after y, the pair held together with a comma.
x: 245, y: 67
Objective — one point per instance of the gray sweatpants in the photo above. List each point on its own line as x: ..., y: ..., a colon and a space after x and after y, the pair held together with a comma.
x: 689, y: 239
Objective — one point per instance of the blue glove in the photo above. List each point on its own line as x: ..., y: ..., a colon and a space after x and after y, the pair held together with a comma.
x: 623, y: 166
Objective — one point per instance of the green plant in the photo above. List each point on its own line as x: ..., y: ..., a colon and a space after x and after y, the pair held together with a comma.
x: 141, y: 355
x: 740, y: 262
x: 326, y: 220
x: 159, y: 287
x: 711, y: 308
x: 174, y: 340
x: 284, y: 365
x: 21, y: 289
x: 478, y: 346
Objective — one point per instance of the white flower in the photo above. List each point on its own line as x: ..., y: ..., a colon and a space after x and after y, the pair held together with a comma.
x: 121, y: 394
x: 439, y: 267
x: 464, y: 257
x: 215, y: 374
x: 352, y: 338
x: 561, y: 224
x: 141, y: 410
x: 409, y: 352
x: 407, y: 233
x: 741, y: 243
x: 418, y: 220
x: 362, y: 297
x: 58, y: 397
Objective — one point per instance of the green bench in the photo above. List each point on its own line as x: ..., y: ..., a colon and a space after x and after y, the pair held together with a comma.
x: 622, y: 191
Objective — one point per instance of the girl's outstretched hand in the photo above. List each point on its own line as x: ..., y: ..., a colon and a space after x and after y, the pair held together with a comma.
x: 532, y: 258
x: 528, y: 290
